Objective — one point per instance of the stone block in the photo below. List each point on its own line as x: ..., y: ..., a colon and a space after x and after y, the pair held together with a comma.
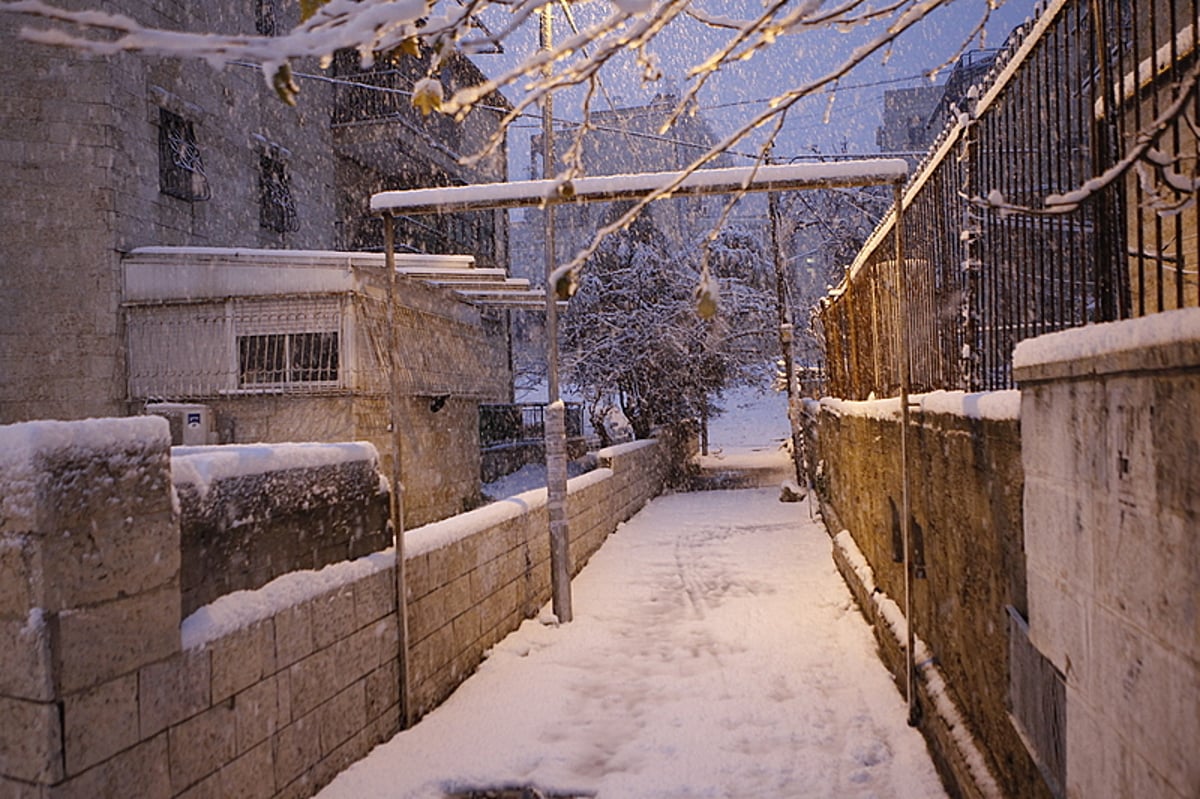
x: 459, y: 595
x: 26, y: 670
x: 1099, y: 761
x: 340, y: 759
x: 383, y: 726
x: 172, y: 690
x: 374, y: 597
x: 30, y: 741
x: 20, y: 574
x: 382, y: 689
x: 1175, y: 431
x: 251, y: 776
x: 332, y: 616
x: 297, y: 748
x: 96, y: 644
x: 14, y: 789
x: 1148, y: 695
x: 293, y: 634
x: 419, y: 576
x: 256, y: 713
x: 1059, y: 627
x: 485, y: 580
x: 426, y: 615
x: 466, y: 628
x: 242, y: 658
x: 463, y: 557
x: 1058, y: 541
x: 342, y: 717
x: 99, y: 722
x: 358, y: 654
x: 1130, y: 440
x: 201, y: 745
x: 105, y: 516
x: 141, y: 771
x: 313, y: 680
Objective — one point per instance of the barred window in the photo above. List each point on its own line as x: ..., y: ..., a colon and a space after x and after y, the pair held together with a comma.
x: 180, y: 167
x: 276, y: 208
x: 281, y: 358
x: 265, y: 18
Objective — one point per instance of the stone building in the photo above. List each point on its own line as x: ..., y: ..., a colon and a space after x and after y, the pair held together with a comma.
x: 101, y: 156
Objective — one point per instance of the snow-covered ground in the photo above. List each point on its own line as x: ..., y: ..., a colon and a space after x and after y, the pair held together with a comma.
x: 750, y: 434
x: 715, y: 652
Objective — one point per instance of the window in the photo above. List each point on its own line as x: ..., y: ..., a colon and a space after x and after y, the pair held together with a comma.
x: 276, y: 208
x: 265, y: 18
x: 273, y: 359
x: 180, y: 167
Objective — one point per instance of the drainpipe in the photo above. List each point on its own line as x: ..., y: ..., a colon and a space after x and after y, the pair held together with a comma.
x: 397, y: 495
x: 905, y: 514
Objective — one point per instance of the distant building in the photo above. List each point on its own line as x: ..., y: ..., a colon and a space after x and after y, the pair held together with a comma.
x: 906, y: 115
x: 913, y: 118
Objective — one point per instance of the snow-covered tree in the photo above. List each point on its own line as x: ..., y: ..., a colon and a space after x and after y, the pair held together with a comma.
x: 632, y: 336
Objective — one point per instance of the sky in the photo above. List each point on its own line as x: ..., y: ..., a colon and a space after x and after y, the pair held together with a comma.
x: 856, y: 110
x: 715, y: 652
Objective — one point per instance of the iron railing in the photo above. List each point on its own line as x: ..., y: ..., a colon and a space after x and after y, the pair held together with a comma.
x: 1095, y: 101
x: 503, y: 425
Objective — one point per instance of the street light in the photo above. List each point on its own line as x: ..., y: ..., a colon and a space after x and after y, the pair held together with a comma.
x: 554, y: 426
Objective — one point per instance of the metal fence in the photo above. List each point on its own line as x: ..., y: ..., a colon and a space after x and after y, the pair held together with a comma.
x: 501, y: 425
x: 1064, y: 193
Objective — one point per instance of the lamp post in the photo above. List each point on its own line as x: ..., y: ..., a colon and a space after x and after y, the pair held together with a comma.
x: 554, y: 429
x: 786, y: 331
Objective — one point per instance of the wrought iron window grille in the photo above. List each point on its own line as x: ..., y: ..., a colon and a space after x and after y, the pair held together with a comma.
x: 180, y: 166
x: 265, y: 18
x: 277, y: 208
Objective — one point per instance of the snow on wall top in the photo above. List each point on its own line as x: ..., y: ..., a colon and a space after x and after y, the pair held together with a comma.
x: 1109, y: 338
x: 606, y: 187
x: 995, y: 405
x: 617, y: 450
x: 21, y: 443
x: 200, y: 466
x: 445, y: 532
x: 240, y: 609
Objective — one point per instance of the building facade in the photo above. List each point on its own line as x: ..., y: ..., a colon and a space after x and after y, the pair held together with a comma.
x: 102, y: 157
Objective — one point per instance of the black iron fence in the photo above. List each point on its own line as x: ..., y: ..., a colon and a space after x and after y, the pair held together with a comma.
x: 501, y: 425
x: 1063, y: 194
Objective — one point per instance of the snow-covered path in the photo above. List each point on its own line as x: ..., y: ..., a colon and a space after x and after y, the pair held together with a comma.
x: 715, y: 652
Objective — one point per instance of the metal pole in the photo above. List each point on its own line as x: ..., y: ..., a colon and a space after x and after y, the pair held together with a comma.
x: 397, y: 495
x: 554, y: 430
x: 905, y: 514
x: 785, y: 335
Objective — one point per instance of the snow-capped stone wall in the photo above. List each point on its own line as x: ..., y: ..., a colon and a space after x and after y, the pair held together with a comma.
x: 965, y: 510
x: 252, y: 512
x: 272, y: 691
x: 1111, y: 452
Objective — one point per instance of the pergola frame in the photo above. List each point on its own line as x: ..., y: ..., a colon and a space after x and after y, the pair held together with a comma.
x: 548, y: 194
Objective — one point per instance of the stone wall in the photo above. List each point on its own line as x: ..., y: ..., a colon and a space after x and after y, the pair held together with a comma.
x: 965, y: 500
x: 248, y: 514
x: 1111, y: 418
x: 267, y: 692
